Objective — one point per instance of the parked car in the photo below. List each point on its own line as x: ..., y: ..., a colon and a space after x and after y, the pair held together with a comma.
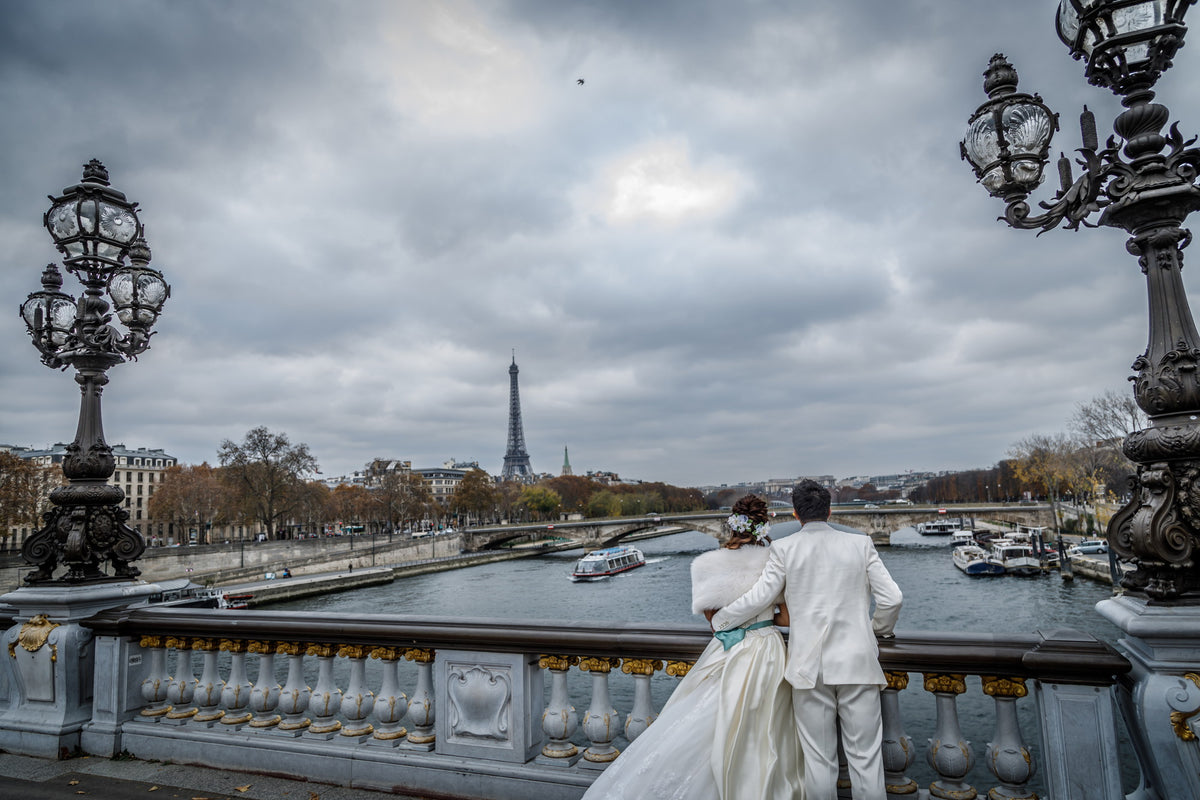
x: 1089, y: 547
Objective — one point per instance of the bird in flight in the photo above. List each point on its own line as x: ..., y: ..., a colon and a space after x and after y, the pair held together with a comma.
x: 580, y: 81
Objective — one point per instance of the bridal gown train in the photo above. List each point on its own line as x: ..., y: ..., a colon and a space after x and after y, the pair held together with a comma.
x: 727, y: 732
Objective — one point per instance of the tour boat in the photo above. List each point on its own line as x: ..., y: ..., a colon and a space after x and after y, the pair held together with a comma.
x: 1018, y: 558
x: 609, y: 561
x: 183, y: 593
x: 939, y: 527
x: 974, y: 560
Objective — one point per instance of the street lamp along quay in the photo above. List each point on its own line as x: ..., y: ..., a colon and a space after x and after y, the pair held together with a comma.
x: 97, y: 230
x: 1135, y: 186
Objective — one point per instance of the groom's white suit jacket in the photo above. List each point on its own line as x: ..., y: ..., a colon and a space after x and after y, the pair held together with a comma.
x: 828, y: 578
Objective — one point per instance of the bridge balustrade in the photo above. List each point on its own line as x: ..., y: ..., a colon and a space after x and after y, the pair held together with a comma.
x: 484, y: 708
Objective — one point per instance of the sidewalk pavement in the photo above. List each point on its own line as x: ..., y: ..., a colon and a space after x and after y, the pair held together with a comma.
x: 91, y: 778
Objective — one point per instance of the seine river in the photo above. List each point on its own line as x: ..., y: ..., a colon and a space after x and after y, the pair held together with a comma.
x: 937, y: 596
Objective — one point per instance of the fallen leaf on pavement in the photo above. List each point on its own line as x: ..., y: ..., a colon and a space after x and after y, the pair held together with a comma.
x: 72, y: 783
x: 245, y: 788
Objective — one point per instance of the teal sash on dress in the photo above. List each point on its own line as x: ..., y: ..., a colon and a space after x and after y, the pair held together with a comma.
x: 731, y: 637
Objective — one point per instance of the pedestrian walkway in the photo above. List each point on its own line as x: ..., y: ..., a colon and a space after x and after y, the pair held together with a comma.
x: 91, y: 778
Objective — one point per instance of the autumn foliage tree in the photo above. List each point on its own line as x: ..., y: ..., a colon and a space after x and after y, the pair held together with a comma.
x: 24, y: 487
x: 268, y: 473
x: 190, y: 496
x: 475, y: 496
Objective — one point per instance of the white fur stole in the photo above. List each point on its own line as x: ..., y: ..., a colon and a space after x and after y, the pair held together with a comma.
x: 721, y: 576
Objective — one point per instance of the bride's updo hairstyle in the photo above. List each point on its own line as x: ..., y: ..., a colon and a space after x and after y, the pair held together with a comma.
x: 748, y: 522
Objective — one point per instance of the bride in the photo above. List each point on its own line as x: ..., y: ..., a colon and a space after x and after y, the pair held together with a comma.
x: 727, y: 733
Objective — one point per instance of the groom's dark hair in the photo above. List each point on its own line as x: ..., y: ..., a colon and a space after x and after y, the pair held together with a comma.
x: 811, y: 501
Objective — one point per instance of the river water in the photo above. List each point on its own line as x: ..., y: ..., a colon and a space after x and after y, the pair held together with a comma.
x: 937, y: 596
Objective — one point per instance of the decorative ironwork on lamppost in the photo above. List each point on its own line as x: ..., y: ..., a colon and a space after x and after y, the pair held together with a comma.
x: 1133, y: 185
x: 97, y: 230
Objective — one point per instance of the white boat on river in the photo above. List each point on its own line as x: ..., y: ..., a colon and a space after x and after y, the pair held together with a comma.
x: 609, y: 561
x: 974, y: 560
x: 1018, y: 558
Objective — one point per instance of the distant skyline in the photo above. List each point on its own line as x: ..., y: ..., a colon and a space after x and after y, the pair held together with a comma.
x: 744, y: 248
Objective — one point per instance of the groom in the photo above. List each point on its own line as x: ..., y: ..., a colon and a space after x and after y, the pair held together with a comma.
x: 828, y: 578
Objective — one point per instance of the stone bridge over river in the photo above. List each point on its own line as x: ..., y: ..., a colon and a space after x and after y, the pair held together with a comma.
x: 880, y: 523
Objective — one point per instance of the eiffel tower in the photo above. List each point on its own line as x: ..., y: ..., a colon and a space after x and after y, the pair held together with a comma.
x: 516, y: 460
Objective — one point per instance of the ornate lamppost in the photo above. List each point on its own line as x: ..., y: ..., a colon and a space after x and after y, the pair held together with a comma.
x: 97, y: 230
x: 1143, y: 181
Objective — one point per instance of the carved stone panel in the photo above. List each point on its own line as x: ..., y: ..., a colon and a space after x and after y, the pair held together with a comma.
x: 489, y: 705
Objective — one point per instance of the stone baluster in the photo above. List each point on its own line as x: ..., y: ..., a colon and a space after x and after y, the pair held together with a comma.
x: 295, y: 694
x: 642, y: 713
x: 208, y: 691
x: 157, y: 681
x: 898, y: 751
x: 559, y: 720
x: 420, y: 708
x: 949, y: 754
x: 182, y: 689
x: 326, y: 699
x: 236, y: 694
x: 264, y: 697
x: 391, y: 704
x: 358, y: 701
x: 1008, y: 758
x: 601, y: 722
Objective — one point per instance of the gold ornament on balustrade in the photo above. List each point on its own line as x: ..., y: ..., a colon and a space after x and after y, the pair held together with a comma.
x: 387, y: 653
x: 998, y: 686
x: 1179, y: 719
x: 599, y: 663
x: 150, y: 641
x: 558, y: 663
x: 353, y: 651
x: 896, y: 680
x: 678, y: 669
x: 289, y: 648
x: 641, y: 666
x: 204, y: 645
x: 420, y: 655
x: 178, y: 643
x: 946, y: 683
x: 233, y: 645
x: 33, y: 636
x: 321, y: 650
x: 260, y: 646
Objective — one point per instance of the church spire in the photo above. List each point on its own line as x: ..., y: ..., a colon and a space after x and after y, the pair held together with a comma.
x: 566, y: 470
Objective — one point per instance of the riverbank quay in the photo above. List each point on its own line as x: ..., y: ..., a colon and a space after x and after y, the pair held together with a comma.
x: 277, y: 590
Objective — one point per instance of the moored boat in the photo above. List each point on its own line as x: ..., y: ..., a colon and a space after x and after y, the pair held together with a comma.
x: 974, y: 560
x: 609, y: 561
x: 1018, y: 558
x: 183, y: 593
x: 963, y: 537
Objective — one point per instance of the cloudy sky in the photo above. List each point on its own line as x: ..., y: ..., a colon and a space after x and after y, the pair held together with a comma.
x: 744, y: 248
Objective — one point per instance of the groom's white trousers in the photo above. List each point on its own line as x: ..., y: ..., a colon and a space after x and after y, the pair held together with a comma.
x: 818, y: 711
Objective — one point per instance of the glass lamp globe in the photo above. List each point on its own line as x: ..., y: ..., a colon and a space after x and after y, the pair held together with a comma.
x: 50, y: 313
x: 1127, y: 44
x: 92, y: 223
x: 1008, y: 137
x: 138, y: 291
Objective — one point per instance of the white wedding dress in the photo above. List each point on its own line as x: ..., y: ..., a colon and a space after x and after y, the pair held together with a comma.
x: 727, y: 732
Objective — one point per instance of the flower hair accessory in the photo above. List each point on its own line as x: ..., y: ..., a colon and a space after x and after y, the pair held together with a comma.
x: 741, y: 524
